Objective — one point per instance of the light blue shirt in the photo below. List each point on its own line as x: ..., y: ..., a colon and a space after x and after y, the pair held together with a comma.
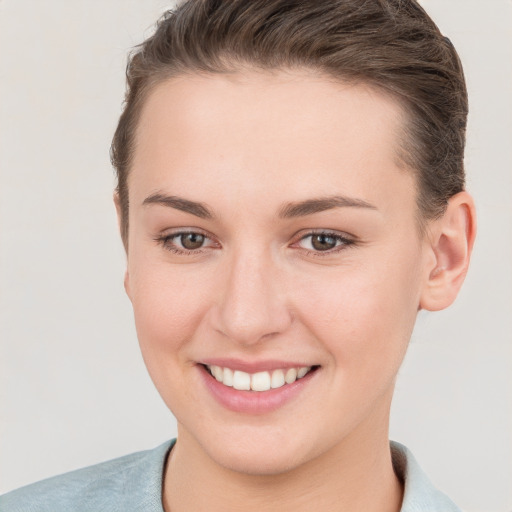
x: 134, y: 483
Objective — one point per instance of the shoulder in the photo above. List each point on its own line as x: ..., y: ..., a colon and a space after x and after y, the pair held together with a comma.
x: 419, y: 493
x: 132, y: 482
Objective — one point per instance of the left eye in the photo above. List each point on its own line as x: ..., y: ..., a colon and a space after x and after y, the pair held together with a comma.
x: 323, y: 242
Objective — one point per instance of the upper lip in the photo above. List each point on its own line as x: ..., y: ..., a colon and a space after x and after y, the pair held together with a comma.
x: 252, y: 366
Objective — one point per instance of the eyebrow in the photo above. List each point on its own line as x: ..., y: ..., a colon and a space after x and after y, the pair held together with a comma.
x: 316, y: 205
x: 287, y: 211
x: 179, y: 203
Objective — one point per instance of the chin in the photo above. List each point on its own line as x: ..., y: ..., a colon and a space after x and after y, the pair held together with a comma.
x: 260, y: 461
x: 261, y: 450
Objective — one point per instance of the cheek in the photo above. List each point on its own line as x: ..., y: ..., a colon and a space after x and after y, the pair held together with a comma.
x: 363, y: 315
x: 168, y: 303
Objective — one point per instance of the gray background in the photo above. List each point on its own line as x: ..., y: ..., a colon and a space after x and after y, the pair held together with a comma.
x: 74, y: 390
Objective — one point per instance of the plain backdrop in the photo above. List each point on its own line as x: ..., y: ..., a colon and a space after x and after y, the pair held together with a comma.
x: 74, y: 390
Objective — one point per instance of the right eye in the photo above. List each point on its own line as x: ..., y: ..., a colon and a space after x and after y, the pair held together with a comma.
x: 191, y: 241
x: 185, y: 242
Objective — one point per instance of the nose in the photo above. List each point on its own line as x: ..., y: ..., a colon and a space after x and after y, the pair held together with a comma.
x: 253, y: 303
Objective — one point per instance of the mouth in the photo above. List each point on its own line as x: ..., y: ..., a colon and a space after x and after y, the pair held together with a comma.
x: 259, y: 381
x: 259, y: 391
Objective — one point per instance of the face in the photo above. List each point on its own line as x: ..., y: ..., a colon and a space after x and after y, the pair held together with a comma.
x: 273, y: 245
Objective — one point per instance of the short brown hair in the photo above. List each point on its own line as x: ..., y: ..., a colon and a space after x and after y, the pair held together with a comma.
x: 390, y: 44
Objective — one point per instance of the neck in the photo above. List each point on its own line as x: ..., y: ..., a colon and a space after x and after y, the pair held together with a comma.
x: 355, y: 475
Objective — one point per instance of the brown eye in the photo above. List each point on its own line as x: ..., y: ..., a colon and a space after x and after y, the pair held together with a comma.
x: 187, y: 243
x: 191, y: 241
x: 322, y: 242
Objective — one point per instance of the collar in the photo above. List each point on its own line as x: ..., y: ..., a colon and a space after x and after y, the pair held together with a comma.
x: 419, y: 493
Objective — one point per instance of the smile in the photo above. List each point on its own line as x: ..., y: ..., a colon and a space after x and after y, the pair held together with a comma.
x: 260, y: 381
x: 257, y: 387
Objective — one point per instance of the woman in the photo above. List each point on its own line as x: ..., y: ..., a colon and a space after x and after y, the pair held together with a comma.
x: 290, y: 195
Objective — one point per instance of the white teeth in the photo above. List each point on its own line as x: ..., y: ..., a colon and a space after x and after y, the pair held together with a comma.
x: 228, y: 377
x: 291, y: 376
x: 217, y: 372
x: 260, y: 381
x: 241, y: 380
x: 277, y: 379
x: 302, y: 371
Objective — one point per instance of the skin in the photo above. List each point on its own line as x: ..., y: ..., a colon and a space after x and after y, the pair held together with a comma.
x: 245, y: 144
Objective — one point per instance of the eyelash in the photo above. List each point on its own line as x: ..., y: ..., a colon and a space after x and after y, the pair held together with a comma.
x: 344, y: 242
x: 166, y: 241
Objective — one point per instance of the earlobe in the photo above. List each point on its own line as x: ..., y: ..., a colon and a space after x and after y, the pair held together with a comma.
x: 451, y: 241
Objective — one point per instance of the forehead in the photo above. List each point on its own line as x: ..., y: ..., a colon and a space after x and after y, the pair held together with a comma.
x: 259, y: 130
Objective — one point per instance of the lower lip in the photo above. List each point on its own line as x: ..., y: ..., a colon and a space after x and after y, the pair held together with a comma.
x: 254, y: 402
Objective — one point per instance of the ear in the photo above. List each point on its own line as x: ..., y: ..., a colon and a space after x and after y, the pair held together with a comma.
x: 119, y: 211
x: 451, y: 241
x: 117, y: 203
